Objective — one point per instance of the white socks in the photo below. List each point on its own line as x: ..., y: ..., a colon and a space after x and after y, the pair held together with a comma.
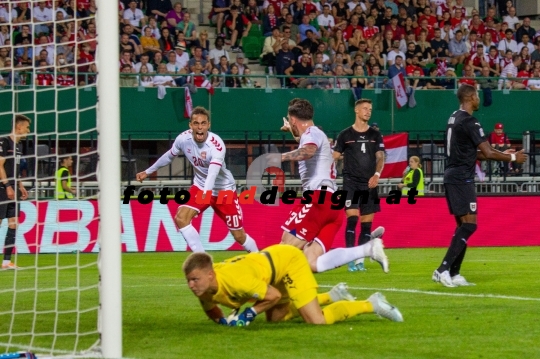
x: 340, y: 256
x: 192, y: 238
x: 6, y: 261
x: 249, y: 245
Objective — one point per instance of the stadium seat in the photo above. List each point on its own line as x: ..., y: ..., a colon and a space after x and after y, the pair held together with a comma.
x: 252, y: 47
x: 459, y: 70
x: 255, y: 31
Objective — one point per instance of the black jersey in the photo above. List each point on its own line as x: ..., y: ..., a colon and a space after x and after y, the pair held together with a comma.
x: 463, y: 135
x: 358, y: 149
x: 12, y: 154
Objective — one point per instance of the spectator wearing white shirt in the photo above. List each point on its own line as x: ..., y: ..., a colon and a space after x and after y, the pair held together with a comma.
x: 353, y: 4
x: 219, y: 50
x: 326, y: 21
x: 510, y: 72
x: 5, y: 15
x: 508, y: 43
x: 511, y: 19
x: 534, y: 82
x: 43, y: 17
x: 145, y: 58
x: 162, y: 78
x: 182, y: 58
x: 5, y: 34
x: 391, y: 57
x: 525, y: 43
x: 134, y: 16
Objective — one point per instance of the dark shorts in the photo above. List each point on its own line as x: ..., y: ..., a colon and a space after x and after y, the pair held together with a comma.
x: 8, y: 209
x: 461, y: 198
x: 367, y: 205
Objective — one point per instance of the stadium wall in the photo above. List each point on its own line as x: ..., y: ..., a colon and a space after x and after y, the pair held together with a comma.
x: 151, y: 227
x: 144, y: 116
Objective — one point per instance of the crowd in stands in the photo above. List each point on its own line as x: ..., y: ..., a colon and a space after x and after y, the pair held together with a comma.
x: 311, y: 44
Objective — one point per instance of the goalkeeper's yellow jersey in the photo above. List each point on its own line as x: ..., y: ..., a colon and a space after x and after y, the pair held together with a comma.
x: 246, y: 278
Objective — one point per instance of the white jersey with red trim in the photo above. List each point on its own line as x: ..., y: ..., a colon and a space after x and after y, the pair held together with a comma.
x: 201, y: 155
x: 319, y: 170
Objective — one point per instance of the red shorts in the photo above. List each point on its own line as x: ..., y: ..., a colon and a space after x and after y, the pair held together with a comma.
x: 230, y: 213
x: 315, y: 221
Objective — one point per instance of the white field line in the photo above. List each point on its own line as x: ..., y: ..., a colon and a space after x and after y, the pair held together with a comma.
x: 444, y: 294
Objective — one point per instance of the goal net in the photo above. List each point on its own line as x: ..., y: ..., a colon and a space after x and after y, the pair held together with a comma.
x: 51, y: 297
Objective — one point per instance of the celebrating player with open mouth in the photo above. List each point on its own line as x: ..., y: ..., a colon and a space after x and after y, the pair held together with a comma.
x: 206, y: 152
x: 313, y: 226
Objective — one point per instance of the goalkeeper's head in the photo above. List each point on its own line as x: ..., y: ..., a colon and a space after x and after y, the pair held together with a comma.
x: 199, y: 272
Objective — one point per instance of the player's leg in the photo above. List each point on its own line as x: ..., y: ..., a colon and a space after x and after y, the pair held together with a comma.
x: 461, y: 200
x: 368, y: 208
x: 183, y: 219
x: 457, y: 279
x: 9, y: 241
x: 353, y: 215
x: 231, y: 214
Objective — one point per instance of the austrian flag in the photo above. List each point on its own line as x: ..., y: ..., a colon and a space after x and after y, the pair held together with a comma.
x: 188, y: 108
x: 396, y: 155
x: 208, y: 85
x: 399, y: 89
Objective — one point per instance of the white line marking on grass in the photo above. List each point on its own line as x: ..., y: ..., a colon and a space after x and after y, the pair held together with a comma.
x: 448, y: 294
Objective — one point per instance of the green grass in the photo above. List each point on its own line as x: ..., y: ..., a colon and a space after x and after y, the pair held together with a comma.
x: 498, y: 318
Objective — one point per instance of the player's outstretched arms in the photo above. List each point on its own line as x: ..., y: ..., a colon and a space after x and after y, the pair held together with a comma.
x: 161, y: 162
x: 141, y: 176
x: 287, y: 128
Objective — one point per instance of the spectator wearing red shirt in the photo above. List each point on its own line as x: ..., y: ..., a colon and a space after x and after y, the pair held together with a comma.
x: 197, y: 78
x: 42, y: 78
x: 494, y: 61
x: 398, y: 32
x: 349, y: 31
x: 479, y: 59
x: 498, y: 139
x: 428, y: 15
x: 370, y: 30
x: 239, y: 26
x: 472, y: 42
x: 425, y: 26
x: 477, y: 25
x: 457, y: 20
x: 63, y: 79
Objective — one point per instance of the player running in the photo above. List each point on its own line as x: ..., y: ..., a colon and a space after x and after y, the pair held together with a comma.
x: 206, y: 152
x: 313, y: 226
x: 362, y: 148
x: 465, y: 143
x: 280, y: 282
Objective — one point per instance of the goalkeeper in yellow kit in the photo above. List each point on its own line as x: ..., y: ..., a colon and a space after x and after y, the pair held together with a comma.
x: 280, y: 283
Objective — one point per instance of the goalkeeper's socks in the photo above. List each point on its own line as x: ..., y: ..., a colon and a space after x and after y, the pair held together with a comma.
x: 324, y: 298
x: 249, y: 245
x: 339, y: 311
x: 192, y: 238
x: 340, y: 256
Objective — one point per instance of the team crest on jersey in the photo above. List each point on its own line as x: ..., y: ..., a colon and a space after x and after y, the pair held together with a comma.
x: 473, y: 206
x: 348, y: 203
x: 203, y: 155
x: 303, y: 231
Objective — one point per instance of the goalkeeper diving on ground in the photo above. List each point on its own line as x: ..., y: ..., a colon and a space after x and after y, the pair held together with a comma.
x: 280, y: 283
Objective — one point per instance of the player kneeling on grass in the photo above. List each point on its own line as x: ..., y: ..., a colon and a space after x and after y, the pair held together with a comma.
x: 205, y: 151
x: 280, y: 282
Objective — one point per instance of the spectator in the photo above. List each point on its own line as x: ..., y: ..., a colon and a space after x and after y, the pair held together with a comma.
x: 377, y: 81
x: 507, y: 59
x: 24, y: 34
x: 21, y: 13
x: 240, y: 63
x: 281, y: 19
x: 457, y: 49
x: 145, y: 61
x: 534, y: 82
x: 359, y: 80
x: 247, y: 82
x: 494, y: 61
x: 340, y: 11
x: 148, y: 42
x: 188, y: 28
x: 145, y: 79
x: 472, y: 42
x: 535, y: 56
x: 491, y: 13
x: 395, y: 69
x: 5, y: 34
x: 525, y: 56
x: 239, y: 26
x: 182, y: 58
x: 305, y: 26
x: 152, y: 24
x: 158, y: 59
x: 270, y: 48
x: 370, y: 30
x: 385, y: 20
x: 525, y: 29
x: 449, y: 82
x: 284, y: 60
x: 295, y: 32
x: 253, y: 13
x: 478, y: 60
x: 157, y: 9
x: 485, y: 82
x: 196, y: 77
x: 215, y: 78
x: 128, y: 29
x: 525, y: 43
x: 219, y: 51
x: 202, y: 42
x: 339, y: 59
x: 223, y: 66
x: 511, y: 19
x: 323, y: 59
x: 300, y: 70
x: 432, y: 83
x: 311, y: 43
x: 163, y: 78
x: 126, y: 78
x: 394, y: 53
x: 340, y: 82
x: 134, y: 16
x: 487, y: 41
x: 232, y: 81
x: 354, y: 42
x: 352, y: 27
x: 43, y: 18
x: 412, y: 66
x: 336, y: 40
x: 387, y: 42
x: 510, y: 72
x: 317, y: 80
x: 508, y: 43
x: 220, y: 8
x: 127, y: 44
x: 175, y: 16
x: 269, y: 22
x: 500, y: 141
x: 439, y: 46
x: 468, y: 76
x: 198, y: 57
x: 326, y: 22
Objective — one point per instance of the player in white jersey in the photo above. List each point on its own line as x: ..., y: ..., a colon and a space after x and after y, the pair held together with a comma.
x: 206, y: 152
x: 312, y: 226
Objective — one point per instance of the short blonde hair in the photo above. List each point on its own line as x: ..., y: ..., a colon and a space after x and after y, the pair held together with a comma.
x: 199, y: 260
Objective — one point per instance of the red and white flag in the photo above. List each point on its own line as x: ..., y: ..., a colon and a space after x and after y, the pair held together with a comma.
x: 396, y: 155
x: 188, y: 108
x: 399, y: 87
x: 208, y: 85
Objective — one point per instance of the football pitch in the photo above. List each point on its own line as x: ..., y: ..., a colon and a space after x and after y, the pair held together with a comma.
x: 497, y: 318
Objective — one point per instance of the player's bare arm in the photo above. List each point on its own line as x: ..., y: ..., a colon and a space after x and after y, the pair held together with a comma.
x: 212, y: 311
x: 287, y: 128
x: 271, y: 298
x: 141, y: 176
x: 374, y: 180
x: 489, y: 153
x: 301, y: 154
x: 337, y: 155
x: 4, y: 180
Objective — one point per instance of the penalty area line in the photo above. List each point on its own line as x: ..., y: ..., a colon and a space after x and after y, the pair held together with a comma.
x: 446, y: 294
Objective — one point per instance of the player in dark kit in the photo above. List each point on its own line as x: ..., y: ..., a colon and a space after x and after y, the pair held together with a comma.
x: 10, y: 155
x: 465, y: 143
x: 362, y: 148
